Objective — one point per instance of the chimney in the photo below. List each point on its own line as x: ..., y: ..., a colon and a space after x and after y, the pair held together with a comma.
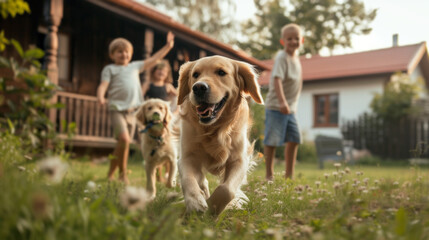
x: 395, y: 40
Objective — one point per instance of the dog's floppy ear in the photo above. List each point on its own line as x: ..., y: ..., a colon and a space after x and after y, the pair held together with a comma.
x: 140, y: 115
x: 184, y: 88
x: 250, y: 81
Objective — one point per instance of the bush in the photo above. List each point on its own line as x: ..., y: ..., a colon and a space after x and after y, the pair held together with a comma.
x: 397, y: 99
x: 307, y: 152
x: 27, y: 94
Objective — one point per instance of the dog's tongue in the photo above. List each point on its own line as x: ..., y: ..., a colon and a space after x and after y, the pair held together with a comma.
x: 204, y: 108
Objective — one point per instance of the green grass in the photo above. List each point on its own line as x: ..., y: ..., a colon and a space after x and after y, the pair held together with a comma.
x: 397, y: 207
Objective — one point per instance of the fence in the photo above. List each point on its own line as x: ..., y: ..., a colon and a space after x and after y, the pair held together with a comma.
x: 93, y: 126
x: 402, y: 139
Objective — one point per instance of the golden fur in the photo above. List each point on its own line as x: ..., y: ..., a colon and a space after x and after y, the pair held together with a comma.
x: 157, y: 144
x: 214, y: 127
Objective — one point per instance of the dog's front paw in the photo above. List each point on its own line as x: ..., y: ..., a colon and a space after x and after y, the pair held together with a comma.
x: 220, y: 199
x: 195, y: 202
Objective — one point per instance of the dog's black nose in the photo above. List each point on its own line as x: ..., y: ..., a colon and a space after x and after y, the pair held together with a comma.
x: 200, y: 89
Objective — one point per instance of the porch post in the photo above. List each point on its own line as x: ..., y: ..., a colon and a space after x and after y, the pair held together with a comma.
x: 53, y: 13
x: 148, y: 48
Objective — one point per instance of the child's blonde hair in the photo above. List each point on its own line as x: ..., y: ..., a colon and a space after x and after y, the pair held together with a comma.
x: 290, y: 26
x: 163, y: 64
x: 120, y: 43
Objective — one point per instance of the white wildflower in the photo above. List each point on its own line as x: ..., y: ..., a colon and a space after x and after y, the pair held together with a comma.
x: 326, y: 175
x: 317, y: 184
x: 208, y: 232
x: 337, y: 185
x: 395, y: 183
x: 91, y: 186
x: 365, y: 180
x: 134, y: 198
x: 264, y: 199
x: 21, y: 168
x: 347, y: 170
x: 337, y: 165
x: 53, y: 168
x: 278, y: 215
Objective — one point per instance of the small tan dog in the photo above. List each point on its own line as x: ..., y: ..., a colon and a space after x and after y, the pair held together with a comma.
x: 157, y: 143
x: 214, y: 128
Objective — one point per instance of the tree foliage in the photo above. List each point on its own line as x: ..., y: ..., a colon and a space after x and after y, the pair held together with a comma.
x: 214, y: 18
x: 11, y: 8
x: 397, y: 99
x: 325, y: 23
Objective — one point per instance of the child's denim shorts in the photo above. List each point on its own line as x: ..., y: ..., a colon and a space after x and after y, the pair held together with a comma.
x: 280, y: 128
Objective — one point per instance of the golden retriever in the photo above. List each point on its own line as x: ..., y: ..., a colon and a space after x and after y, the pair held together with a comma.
x: 214, y: 127
x: 157, y: 143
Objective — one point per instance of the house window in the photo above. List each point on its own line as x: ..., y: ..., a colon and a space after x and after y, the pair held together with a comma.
x: 326, y: 110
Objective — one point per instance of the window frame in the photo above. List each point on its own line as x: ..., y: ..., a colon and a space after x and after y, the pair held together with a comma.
x: 327, y: 109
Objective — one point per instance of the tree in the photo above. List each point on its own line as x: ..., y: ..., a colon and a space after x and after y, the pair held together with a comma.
x: 397, y: 99
x: 214, y: 18
x: 11, y: 8
x: 325, y: 23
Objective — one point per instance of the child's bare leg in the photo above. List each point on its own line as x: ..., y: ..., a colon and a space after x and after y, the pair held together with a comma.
x: 114, y: 163
x: 123, y: 146
x: 269, y: 162
x: 291, y: 151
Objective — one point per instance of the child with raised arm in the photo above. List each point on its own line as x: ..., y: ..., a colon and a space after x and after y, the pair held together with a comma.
x: 281, y: 102
x: 122, y: 83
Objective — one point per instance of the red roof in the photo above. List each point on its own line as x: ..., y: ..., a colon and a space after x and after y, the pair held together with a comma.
x: 388, y: 60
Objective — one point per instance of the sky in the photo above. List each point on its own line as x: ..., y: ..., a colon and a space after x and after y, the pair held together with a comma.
x: 407, y: 18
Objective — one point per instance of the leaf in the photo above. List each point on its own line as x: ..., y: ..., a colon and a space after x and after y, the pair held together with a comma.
x: 35, y: 53
x: 401, y: 222
x: 18, y: 47
x: 96, y: 204
x: 11, y: 126
x: 4, y: 62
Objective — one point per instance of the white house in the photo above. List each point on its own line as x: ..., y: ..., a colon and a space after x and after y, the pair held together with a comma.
x: 339, y: 88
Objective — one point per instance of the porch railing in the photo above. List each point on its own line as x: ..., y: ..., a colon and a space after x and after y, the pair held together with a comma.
x: 93, y: 126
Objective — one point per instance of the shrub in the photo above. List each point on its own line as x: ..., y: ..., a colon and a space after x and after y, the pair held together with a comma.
x: 307, y: 152
x: 28, y: 93
x: 396, y: 101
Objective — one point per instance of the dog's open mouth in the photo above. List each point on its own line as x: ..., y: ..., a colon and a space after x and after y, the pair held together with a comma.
x: 208, y: 111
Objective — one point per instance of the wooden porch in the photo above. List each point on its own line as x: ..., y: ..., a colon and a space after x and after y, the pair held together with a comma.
x: 92, y: 122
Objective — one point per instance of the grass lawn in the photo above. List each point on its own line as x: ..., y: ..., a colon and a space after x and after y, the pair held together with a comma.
x: 357, y: 202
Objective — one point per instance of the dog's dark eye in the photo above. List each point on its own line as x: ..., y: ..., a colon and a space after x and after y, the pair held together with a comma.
x: 149, y: 108
x: 221, y: 72
x: 195, y: 74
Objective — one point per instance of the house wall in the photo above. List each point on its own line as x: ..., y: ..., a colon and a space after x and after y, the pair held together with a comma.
x: 354, y: 95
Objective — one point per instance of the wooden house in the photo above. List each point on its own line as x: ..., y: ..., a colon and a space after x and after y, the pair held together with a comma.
x: 75, y: 35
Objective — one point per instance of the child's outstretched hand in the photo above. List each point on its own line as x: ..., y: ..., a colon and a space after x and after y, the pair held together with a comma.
x: 170, y: 39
